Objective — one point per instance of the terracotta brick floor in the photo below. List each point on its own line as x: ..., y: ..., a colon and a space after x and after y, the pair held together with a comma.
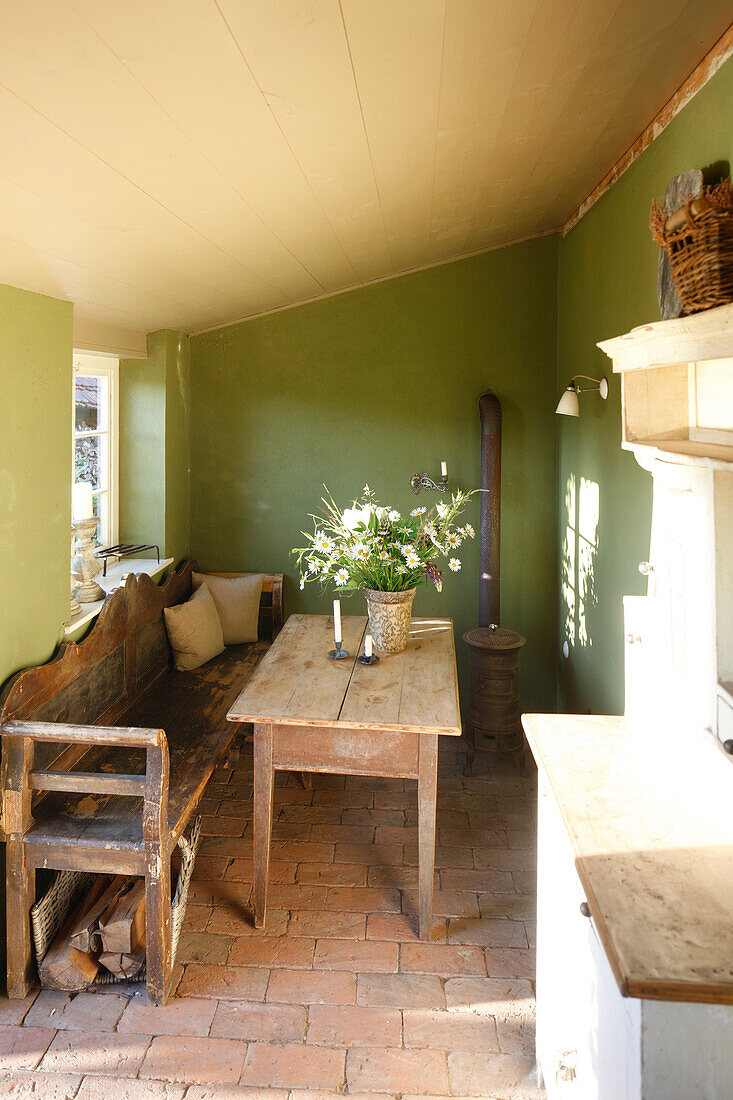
x: 338, y: 995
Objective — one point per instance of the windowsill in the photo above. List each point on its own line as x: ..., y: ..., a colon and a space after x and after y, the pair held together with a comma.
x: 89, y: 611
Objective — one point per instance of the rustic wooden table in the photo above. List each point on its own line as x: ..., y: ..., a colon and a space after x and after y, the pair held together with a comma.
x: 312, y: 714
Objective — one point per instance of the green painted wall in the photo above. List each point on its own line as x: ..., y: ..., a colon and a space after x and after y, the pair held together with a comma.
x: 35, y: 487
x: 177, y: 505
x: 142, y: 450
x: 154, y: 477
x: 607, y: 285
x: 375, y: 385
x: 35, y: 475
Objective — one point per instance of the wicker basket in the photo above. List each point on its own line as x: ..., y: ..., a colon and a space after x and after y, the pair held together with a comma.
x: 700, y: 251
x: 50, y: 911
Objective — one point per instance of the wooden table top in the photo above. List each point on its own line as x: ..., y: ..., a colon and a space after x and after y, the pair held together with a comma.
x: 296, y: 683
x: 650, y: 818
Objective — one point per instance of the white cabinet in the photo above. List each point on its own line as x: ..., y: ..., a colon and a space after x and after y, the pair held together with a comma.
x: 588, y: 1035
x: 593, y: 1043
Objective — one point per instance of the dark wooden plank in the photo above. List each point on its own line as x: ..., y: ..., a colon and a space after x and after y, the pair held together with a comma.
x: 87, y: 783
x: 111, y: 736
x: 20, y: 876
x: 157, y: 877
x: 70, y: 855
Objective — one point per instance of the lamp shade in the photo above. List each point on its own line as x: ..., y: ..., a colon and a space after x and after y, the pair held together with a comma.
x: 568, y: 403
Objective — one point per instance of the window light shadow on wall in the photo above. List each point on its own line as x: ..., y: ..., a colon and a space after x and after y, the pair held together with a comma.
x: 580, y: 549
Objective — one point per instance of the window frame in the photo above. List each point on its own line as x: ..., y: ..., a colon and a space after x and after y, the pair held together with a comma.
x: 102, y: 366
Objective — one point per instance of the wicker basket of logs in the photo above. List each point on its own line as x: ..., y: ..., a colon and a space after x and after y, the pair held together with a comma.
x: 698, y: 238
x: 89, y: 930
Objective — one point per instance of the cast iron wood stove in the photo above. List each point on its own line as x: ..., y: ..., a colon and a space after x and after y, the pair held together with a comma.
x: 493, y: 718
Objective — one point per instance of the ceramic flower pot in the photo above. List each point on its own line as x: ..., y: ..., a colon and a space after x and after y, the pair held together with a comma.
x: 389, y: 618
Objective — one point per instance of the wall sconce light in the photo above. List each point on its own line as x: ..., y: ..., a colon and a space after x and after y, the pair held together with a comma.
x: 568, y: 404
x: 423, y: 481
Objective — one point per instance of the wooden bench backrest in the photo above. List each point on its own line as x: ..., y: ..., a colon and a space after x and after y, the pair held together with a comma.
x: 95, y: 681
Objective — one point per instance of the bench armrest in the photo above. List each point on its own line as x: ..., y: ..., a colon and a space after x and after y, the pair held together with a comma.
x: 19, y: 779
x: 128, y: 736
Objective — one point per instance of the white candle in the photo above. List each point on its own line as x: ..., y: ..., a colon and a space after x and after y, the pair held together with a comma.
x: 368, y: 646
x: 82, y: 505
x: 337, y: 621
x: 444, y: 469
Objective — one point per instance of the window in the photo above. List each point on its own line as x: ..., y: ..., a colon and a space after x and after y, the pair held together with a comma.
x: 95, y: 422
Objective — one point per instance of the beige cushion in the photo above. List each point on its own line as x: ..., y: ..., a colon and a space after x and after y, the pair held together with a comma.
x: 194, y: 630
x: 237, y: 600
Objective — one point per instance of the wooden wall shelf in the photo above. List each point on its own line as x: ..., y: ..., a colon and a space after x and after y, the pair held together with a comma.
x: 677, y: 385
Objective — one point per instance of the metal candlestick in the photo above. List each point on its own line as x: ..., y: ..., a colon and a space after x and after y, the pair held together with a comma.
x: 364, y: 660
x: 338, y: 653
x: 423, y: 481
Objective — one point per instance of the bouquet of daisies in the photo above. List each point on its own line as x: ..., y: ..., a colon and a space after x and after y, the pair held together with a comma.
x: 371, y: 545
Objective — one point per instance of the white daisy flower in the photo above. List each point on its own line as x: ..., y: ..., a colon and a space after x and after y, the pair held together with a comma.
x: 469, y: 531
x: 412, y: 560
x: 452, y: 539
x: 417, y: 511
x: 400, y: 569
x: 322, y: 542
x: 342, y: 578
x: 360, y: 551
x: 405, y: 529
x: 383, y: 555
x: 313, y: 566
x: 393, y: 516
x: 302, y: 583
x: 454, y: 564
x: 405, y: 550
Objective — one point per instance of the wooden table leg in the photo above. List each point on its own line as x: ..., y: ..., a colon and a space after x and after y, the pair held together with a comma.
x: 264, y: 779
x: 427, y: 789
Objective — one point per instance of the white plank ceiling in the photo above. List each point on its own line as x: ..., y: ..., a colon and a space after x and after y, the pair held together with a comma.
x: 187, y: 163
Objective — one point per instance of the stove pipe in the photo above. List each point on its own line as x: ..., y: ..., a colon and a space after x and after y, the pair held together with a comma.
x: 489, y: 593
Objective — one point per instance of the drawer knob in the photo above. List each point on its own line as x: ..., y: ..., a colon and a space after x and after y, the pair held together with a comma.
x: 585, y: 908
x: 567, y: 1066
x: 728, y: 746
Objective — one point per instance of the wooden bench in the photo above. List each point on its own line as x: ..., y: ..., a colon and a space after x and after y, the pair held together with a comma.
x: 106, y: 753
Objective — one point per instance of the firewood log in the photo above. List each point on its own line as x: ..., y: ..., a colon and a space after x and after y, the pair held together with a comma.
x: 64, y: 967
x: 122, y: 927
x: 102, y: 895
x: 123, y: 964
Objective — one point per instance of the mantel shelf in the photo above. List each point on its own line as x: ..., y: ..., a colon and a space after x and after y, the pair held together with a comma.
x: 701, y: 337
x: 677, y: 386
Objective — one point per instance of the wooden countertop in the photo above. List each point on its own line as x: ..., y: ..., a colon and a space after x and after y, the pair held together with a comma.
x: 650, y: 816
